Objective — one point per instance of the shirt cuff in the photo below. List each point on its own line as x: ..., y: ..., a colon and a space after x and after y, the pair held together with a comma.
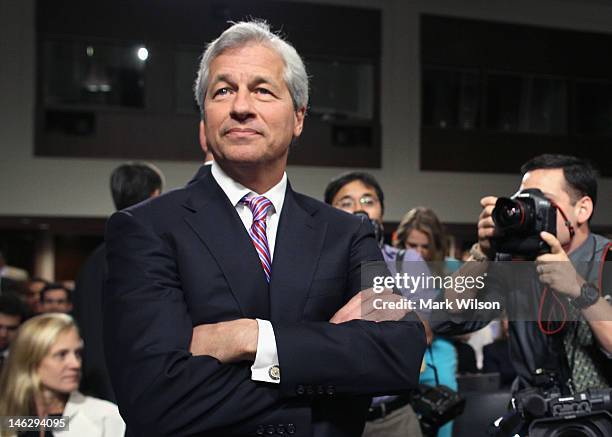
x: 265, y: 368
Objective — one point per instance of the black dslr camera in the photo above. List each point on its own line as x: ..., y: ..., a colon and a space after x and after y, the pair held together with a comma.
x: 543, y: 411
x: 520, y: 219
x: 435, y: 406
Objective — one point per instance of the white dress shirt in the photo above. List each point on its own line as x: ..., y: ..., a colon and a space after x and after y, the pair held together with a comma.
x: 265, y: 367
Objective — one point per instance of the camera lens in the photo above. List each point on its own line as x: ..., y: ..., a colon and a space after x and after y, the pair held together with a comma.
x: 575, y: 430
x: 508, y: 213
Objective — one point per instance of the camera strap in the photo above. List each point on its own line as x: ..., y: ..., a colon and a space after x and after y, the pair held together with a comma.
x: 566, y: 221
x: 551, y: 327
x: 603, y: 271
x: 432, y: 366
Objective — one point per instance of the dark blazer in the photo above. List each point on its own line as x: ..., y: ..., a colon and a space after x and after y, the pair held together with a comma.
x: 87, y: 304
x: 185, y: 258
x: 202, y: 171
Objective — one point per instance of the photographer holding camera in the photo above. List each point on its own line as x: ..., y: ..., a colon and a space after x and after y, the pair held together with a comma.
x: 568, y: 266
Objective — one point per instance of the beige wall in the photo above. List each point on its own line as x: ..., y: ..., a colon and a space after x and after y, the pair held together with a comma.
x: 78, y: 187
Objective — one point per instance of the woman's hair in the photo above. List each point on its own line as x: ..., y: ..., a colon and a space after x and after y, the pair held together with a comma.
x: 424, y: 220
x: 19, y: 380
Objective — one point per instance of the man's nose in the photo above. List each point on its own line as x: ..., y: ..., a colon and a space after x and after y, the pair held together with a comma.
x: 242, y: 105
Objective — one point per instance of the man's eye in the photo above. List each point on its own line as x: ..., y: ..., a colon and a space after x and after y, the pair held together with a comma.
x: 263, y: 91
x: 221, y: 92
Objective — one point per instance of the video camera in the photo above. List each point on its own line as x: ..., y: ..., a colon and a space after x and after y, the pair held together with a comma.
x: 545, y: 412
x: 520, y: 219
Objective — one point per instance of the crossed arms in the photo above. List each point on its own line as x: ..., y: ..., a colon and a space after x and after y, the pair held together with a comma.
x: 163, y: 388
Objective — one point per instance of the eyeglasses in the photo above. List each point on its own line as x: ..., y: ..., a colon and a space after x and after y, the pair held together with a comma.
x: 366, y: 201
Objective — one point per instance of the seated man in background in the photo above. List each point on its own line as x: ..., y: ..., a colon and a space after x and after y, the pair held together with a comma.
x: 55, y: 298
x: 32, y: 294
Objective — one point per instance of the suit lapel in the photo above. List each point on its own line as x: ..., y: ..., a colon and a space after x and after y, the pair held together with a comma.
x: 217, y: 224
x: 299, y: 240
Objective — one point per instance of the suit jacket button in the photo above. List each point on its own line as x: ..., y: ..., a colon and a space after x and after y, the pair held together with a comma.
x: 320, y: 390
x: 309, y: 390
x: 260, y: 430
x: 330, y: 390
x: 280, y: 429
x: 270, y: 430
x: 291, y: 428
x: 300, y: 390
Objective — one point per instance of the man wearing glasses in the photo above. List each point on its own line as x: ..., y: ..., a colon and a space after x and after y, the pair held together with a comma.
x: 360, y: 193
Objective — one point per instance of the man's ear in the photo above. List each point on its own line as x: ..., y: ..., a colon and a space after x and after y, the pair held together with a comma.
x: 299, y: 122
x: 583, y: 209
x: 203, y: 143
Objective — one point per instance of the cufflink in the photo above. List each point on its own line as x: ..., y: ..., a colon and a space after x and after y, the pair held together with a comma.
x: 274, y: 373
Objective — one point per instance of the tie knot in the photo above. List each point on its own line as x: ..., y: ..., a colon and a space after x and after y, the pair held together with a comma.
x: 258, y: 205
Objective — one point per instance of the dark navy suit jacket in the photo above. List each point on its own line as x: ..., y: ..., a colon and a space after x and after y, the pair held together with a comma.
x: 185, y: 258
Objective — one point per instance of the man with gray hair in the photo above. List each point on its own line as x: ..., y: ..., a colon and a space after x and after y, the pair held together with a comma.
x: 236, y: 306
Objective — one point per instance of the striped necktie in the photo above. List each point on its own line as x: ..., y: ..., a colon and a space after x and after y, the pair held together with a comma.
x: 259, y: 206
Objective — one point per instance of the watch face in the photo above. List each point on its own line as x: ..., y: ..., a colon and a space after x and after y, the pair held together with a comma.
x: 591, y: 292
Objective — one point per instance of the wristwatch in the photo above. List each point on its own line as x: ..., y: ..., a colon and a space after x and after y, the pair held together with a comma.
x: 589, y: 294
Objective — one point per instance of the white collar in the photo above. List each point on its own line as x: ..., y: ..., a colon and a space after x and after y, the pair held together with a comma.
x: 235, y: 191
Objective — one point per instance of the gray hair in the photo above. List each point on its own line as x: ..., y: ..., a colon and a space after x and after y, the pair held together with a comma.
x: 242, y: 33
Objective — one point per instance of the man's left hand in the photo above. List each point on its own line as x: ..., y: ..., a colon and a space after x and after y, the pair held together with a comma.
x: 228, y: 342
x: 556, y: 270
x: 368, y: 305
x: 362, y: 307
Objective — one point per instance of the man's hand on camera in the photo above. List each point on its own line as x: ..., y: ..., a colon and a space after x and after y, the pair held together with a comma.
x: 556, y: 270
x: 486, y: 227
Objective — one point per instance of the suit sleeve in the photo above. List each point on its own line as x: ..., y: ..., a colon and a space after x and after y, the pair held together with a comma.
x: 161, y: 388
x: 356, y: 357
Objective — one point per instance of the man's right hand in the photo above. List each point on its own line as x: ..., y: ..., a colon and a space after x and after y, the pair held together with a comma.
x: 486, y: 227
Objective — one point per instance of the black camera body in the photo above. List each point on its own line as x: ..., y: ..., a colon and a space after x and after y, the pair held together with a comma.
x: 584, y: 414
x: 520, y: 219
x: 435, y: 406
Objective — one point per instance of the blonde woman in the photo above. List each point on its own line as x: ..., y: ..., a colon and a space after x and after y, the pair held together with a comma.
x: 41, y: 378
x: 421, y: 230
